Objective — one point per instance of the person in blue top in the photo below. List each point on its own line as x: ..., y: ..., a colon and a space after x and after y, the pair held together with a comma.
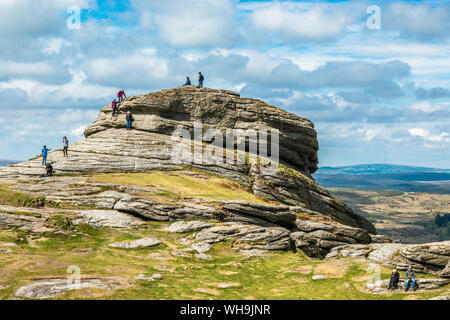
x: 44, y: 155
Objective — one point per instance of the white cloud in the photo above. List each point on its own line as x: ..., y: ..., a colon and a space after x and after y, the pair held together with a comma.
x: 425, y: 134
x: 79, y: 131
x: 190, y: 22
x: 294, y: 21
x: 426, y: 107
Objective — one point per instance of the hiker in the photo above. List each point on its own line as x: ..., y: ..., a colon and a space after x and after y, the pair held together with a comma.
x: 200, y: 79
x: 121, y: 94
x: 49, y: 169
x: 188, y: 82
x: 44, y: 155
x: 395, y: 278
x: 410, y: 278
x: 129, y: 120
x: 65, y: 146
x: 114, y: 107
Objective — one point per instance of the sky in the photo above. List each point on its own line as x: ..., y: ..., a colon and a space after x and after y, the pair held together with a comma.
x: 374, y: 77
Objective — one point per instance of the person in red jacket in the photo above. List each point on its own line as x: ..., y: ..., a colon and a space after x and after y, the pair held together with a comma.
x: 121, y: 94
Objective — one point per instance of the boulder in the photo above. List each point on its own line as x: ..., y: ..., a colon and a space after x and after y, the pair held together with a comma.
x: 50, y: 288
x: 136, y: 244
x: 187, y: 226
x: 107, y: 218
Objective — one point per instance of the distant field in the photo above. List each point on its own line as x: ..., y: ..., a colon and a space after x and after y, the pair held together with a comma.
x: 400, y: 215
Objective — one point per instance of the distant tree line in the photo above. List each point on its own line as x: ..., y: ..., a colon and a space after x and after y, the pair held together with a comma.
x: 441, y: 221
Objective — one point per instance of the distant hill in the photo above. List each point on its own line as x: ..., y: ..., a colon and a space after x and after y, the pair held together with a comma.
x: 376, y: 169
x: 385, y: 177
x: 7, y: 162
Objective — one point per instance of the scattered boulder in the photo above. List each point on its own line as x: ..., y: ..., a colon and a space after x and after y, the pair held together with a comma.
x: 187, y: 226
x: 440, y: 298
x: 319, y: 277
x: 50, y: 288
x: 107, y: 218
x: 317, y: 239
x: 433, y: 258
x: 156, y: 276
x: 136, y: 244
x: 203, y: 256
x: 201, y: 247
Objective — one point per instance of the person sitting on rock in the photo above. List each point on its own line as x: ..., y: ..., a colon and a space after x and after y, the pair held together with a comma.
x: 49, y: 169
x: 129, y: 120
x: 114, y: 107
x: 395, y: 278
x: 188, y: 82
x: 121, y: 94
x: 410, y: 278
x: 44, y: 155
x: 201, y: 78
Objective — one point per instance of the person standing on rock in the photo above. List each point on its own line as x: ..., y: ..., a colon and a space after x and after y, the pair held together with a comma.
x: 129, y: 120
x: 65, y: 147
x: 188, y: 82
x: 121, y: 94
x: 44, y: 155
x: 410, y: 278
x: 395, y: 278
x: 114, y: 107
x: 201, y: 78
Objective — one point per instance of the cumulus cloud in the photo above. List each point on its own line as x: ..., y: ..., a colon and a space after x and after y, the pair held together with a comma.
x: 190, y: 23
x: 426, y: 135
x: 423, y: 21
x: 433, y: 93
x: 302, y: 22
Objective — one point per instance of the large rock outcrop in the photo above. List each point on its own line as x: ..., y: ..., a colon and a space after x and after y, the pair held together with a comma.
x: 431, y: 258
x: 109, y: 147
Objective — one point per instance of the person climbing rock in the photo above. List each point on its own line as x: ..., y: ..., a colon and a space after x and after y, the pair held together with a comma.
x: 188, y: 82
x: 201, y: 78
x: 49, y: 169
x: 410, y: 278
x: 114, y: 107
x: 44, y: 155
x: 121, y: 94
x: 395, y: 278
x: 65, y: 146
x: 129, y: 120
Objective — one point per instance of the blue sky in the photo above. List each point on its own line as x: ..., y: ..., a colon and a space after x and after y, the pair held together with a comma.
x: 374, y: 95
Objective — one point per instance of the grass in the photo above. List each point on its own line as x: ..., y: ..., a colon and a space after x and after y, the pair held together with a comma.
x: 278, y: 275
x: 177, y: 185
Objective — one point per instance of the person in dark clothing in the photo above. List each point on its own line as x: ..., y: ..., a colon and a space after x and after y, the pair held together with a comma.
x: 44, y: 155
x: 201, y: 78
x: 129, y: 120
x: 410, y: 279
x: 395, y: 278
x: 65, y: 147
x: 49, y: 169
x: 114, y: 107
x: 188, y: 82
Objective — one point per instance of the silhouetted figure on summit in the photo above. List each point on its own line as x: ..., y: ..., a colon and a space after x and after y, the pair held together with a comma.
x: 201, y: 78
x: 188, y: 82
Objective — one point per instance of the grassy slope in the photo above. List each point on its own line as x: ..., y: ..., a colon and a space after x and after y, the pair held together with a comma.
x: 278, y: 275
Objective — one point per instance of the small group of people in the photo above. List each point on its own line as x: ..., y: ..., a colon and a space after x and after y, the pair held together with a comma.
x: 115, y: 106
x: 410, y: 279
x: 115, y: 103
x: 44, y: 153
x: 201, y: 78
